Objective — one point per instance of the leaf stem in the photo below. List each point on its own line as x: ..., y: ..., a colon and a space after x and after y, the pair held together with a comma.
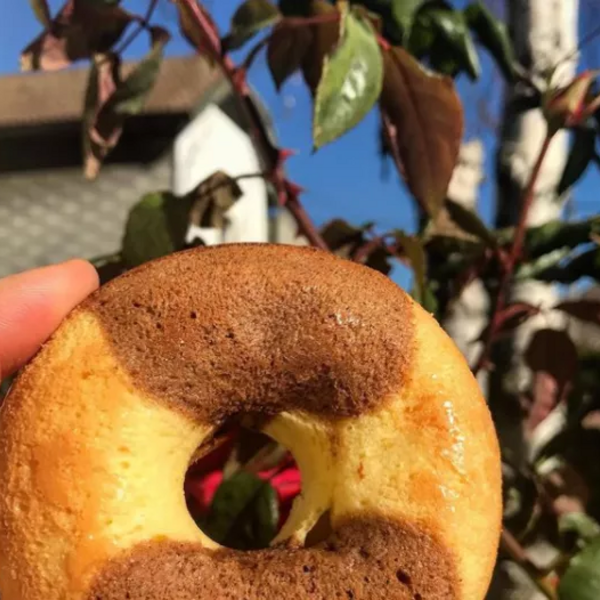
x: 141, y: 25
x: 515, y: 254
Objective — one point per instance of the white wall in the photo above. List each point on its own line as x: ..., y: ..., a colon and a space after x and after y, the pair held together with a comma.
x: 214, y: 142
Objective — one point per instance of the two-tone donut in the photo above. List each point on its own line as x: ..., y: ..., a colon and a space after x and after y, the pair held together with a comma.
x: 377, y: 405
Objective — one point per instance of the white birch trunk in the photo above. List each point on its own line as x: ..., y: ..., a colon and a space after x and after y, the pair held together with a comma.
x: 468, y: 314
x: 544, y: 33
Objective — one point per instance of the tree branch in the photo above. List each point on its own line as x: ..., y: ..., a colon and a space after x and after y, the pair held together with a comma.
x: 518, y: 554
x: 515, y: 254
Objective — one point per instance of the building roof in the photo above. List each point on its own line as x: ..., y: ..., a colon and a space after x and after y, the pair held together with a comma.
x: 31, y: 99
x: 40, y: 114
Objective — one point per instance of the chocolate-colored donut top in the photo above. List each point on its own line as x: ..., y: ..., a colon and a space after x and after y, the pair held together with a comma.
x: 259, y: 328
x: 365, y: 559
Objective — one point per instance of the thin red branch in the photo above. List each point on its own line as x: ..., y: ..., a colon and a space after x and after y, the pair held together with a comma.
x: 236, y: 78
x: 141, y: 25
x: 305, y: 225
x: 511, y: 546
x: 515, y: 254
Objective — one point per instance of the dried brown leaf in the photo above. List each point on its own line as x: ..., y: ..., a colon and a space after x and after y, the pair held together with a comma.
x: 212, y: 199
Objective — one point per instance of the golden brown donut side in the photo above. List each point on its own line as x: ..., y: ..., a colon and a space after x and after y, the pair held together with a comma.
x: 225, y: 329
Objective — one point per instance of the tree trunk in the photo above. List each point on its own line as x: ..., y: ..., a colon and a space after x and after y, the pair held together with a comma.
x: 468, y: 314
x: 544, y: 33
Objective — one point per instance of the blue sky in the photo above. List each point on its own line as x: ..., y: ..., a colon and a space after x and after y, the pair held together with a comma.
x: 343, y: 179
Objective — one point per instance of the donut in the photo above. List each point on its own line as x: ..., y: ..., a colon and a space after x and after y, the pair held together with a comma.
x: 398, y: 454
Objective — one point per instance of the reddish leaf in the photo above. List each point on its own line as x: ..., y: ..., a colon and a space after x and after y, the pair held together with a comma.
x: 80, y: 30
x: 585, y: 310
x: 428, y: 119
x: 325, y: 37
x: 552, y: 357
x: 286, y: 51
x: 198, y: 28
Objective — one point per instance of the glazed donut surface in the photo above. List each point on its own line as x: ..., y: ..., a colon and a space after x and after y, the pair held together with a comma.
x: 378, y: 406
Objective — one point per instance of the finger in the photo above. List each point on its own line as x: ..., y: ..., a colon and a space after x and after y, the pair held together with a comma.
x: 32, y: 305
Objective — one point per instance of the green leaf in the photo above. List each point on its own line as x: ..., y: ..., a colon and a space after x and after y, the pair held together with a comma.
x: 580, y: 524
x: 427, y: 117
x: 422, y: 36
x: 404, y: 12
x: 286, y: 51
x: 542, y: 265
x: 350, y: 83
x: 156, y: 226
x: 581, y: 580
x: 556, y: 235
x: 492, y: 34
x: 452, y: 27
x: 244, y: 513
x: 470, y: 222
x: 413, y: 249
x: 248, y: 20
x: 131, y: 93
x: 41, y: 11
x: 586, y: 264
x: 580, y: 156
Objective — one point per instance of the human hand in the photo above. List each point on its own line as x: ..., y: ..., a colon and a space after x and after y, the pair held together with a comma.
x: 33, y: 304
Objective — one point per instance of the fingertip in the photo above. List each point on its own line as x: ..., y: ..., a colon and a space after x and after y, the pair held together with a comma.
x: 84, y: 272
x: 34, y: 303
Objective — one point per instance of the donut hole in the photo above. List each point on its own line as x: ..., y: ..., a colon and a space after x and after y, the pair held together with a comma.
x: 240, y: 487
